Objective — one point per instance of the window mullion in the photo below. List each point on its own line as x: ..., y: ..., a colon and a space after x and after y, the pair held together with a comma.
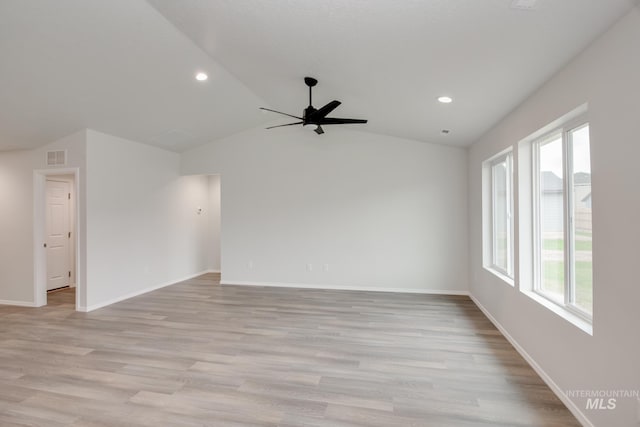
x: 537, y: 235
x: 568, y: 219
x: 509, y: 217
x: 494, y: 240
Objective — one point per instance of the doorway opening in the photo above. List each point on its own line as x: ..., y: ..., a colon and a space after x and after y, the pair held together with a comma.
x: 214, y: 225
x: 56, y: 239
x: 59, y: 227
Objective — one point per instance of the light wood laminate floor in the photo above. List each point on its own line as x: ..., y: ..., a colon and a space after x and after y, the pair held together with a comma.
x: 200, y: 354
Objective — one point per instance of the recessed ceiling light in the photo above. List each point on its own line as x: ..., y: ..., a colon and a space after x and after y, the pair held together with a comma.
x: 445, y: 99
x: 201, y: 77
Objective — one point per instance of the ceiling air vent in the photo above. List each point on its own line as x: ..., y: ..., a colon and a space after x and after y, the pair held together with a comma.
x: 524, y: 4
x: 56, y: 158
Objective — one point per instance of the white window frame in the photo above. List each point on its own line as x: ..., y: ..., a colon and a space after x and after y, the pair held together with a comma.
x: 507, y: 158
x: 489, y: 219
x: 568, y: 299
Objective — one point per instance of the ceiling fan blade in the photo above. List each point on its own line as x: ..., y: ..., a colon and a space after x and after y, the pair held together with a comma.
x: 339, y: 121
x: 322, y: 112
x: 288, y: 124
x: 280, y: 112
x: 319, y: 130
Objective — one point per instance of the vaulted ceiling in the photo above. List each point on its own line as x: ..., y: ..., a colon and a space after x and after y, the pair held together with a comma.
x: 127, y: 67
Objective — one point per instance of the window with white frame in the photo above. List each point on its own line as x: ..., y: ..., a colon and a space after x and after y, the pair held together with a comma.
x: 562, y: 243
x: 499, y: 223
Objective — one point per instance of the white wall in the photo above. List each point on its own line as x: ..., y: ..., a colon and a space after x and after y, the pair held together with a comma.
x: 17, y: 214
x: 382, y: 212
x: 16, y: 227
x: 143, y: 230
x: 606, y: 76
x: 213, y: 215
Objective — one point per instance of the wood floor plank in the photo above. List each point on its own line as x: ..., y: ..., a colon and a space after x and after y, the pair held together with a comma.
x: 201, y: 354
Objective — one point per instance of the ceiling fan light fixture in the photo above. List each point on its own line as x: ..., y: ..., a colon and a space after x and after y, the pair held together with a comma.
x: 314, y: 127
x: 445, y: 99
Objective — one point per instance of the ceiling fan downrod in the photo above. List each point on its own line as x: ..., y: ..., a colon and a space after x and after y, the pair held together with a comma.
x: 311, y: 82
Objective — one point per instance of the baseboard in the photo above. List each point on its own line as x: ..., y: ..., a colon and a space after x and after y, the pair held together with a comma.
x: 213, y: 271
x: 140, y: 292
x: 575, y: 410
x: 18, y: 303
x: 343, y: 288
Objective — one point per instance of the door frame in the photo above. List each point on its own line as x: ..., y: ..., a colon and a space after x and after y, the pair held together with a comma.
x: 71, y: 249
x: 39, y: 234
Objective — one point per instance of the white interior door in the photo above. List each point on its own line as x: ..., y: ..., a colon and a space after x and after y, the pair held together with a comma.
x: 58, y: 234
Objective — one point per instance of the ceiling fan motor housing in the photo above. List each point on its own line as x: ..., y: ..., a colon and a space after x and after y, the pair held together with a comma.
x: 308, y: 112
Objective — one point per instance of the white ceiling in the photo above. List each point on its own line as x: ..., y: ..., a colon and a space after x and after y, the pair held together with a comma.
x: 116, y: 66
x: 120, y: 67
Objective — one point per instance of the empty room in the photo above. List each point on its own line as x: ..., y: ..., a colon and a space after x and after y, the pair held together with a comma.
x: 339, y: 213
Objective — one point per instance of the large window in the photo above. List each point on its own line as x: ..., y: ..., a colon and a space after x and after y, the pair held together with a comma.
x: 502, y: 219
x: 562, y: 218
x: 499, y: 225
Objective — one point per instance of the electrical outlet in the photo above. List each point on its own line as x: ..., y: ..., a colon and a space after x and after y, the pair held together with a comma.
x: 325, y: 267
x: 250, y: 265
x: 309, y: 267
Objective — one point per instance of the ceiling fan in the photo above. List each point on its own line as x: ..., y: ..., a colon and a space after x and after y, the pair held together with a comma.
x: 316, y: 117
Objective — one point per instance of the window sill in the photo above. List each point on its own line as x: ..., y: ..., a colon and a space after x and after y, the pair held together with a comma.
x: 501, y: 276
x: 577, y: 321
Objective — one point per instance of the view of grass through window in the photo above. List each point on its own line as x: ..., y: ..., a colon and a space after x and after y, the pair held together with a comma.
x: 552, y: 201
x: 551, y: 217
x: 581, y: 213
